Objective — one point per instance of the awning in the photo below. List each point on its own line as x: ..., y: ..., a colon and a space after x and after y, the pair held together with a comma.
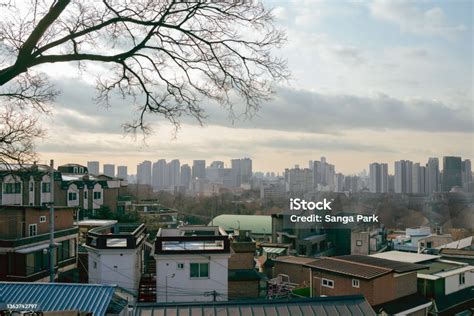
x: 274, y: 250
x: 33, y: 248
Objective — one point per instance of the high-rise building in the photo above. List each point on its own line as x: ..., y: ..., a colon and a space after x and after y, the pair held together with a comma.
x: 185, y: 175
x: 378, y: 177
x: 122, y: 172
x: 160, y: 175
x: 241, y: 171
x: 199, y: 169
x: 93, y: 167
x: 452, y: 175
x: 323, y: 174
x: 419, y: 179
x: 109, y: 170
x: 432, y: 176
x: 144, y: 173
x: 173, y: 170
x: 403, y: 176
x: 339, y: 182
x: 298, y: 180
x: 217, y: 165
x: 466, y: 172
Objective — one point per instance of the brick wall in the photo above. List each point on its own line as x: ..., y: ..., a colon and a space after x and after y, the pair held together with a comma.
x: 243, y: 289
x: 297, y: 273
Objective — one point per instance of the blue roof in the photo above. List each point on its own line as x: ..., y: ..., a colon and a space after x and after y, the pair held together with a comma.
x: 92, y: 298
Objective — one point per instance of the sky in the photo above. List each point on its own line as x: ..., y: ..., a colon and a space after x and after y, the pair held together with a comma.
x: 370, y: 81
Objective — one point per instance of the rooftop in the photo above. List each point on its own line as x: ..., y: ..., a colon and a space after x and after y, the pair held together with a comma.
x: 294, y: 259
x: 257, y: 224
x: 335, y: 305
x: 396, y: 266
x: 443, y: 268
x: 333, y: 264
x: 409, y: 257
x: 92, y: 298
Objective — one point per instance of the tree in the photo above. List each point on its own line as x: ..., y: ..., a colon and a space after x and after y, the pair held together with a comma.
x: 165, y: 56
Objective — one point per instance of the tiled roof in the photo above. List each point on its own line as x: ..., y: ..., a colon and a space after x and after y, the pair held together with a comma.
x: 294, y: 259
x: 336, y: 265
x: 396, y: 266
x: 335, y: 305
x: 92, y: 298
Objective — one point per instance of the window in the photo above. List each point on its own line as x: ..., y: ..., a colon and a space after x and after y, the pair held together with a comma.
x: 462, y: 279
x: 72, y: 196
x: 327, y: 283
x: 355, y: 283
x: 32, y: 186
x: 97, y: 195
x: 32, y: 230
x: 46, y: 187
x: 95, y: 265
x: 85, y: 194
x: 199, y: 270
x: 42, y: 219
x: 359, y: 242
x: 180, y: 266
x: 12, y: 188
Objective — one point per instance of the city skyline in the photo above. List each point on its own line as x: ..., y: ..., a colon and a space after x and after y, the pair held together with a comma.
x: 397, y: 86
x: 227, y: 163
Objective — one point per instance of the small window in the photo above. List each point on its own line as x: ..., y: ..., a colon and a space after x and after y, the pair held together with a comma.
x: 199, y: 270
x: 97, y: 195
x: 95, y: 264
x: 46, y: 187
x: 180, y: 266
x: 32, y: 186
x: 12, y: 188
x: 32, y: 230
x: 359, y: 243
x: 85, y: 194
x: 72, y: 196
x: 327, y: 283
x: 355, y: 283
x: 42, y: 219
x: 462, y: 279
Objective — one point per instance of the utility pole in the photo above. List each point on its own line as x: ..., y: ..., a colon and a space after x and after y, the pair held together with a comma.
x: 51, y: 222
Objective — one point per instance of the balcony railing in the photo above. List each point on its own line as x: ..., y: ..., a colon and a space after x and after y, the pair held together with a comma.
x: 117, y: 236
x: 13, y: 243
x: 191, y: 244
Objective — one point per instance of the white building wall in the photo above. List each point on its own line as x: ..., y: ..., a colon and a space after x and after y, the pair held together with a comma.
x: 452, y: 282
x: 31, y: 192
x: 12, y: 198
x: 73, y: 189
x: 45, y: 197
x: 97, y: 203
x: 121, y: 267
x: 182, y: 288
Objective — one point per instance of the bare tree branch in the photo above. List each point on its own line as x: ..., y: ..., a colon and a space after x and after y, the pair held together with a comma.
x: 165, y: 56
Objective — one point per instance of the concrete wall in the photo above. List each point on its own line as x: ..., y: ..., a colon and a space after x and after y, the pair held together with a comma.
x: 297, y: 273
x: 181, y: 287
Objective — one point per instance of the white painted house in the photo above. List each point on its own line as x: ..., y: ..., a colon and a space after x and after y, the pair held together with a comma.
x: 192, y: 264
x: 116, y: 255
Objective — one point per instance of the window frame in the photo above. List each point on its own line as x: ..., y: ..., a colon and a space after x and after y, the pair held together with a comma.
x: 35, y: 230
x: 42, y: 219
x: 462, y: 278
x: 327, y: 283
x: 356, y: 283
x: 179, y: 266
x: 199, y: 274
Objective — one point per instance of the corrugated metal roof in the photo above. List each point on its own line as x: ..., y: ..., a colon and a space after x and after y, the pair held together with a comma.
x: 335, y: 305
x: 351, y: 268
x: 396, y: 266
x: 274, y: 250
x: 93, y: 298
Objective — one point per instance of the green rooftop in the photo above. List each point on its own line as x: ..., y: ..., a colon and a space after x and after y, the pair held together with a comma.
x: 438, y: 266
x: 257, y: 224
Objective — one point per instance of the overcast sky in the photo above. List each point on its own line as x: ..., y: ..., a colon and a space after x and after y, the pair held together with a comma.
x: 371, y: 81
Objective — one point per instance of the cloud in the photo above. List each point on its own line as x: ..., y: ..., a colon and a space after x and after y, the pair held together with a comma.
x: 412, y: 19
x: 313, y: 112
